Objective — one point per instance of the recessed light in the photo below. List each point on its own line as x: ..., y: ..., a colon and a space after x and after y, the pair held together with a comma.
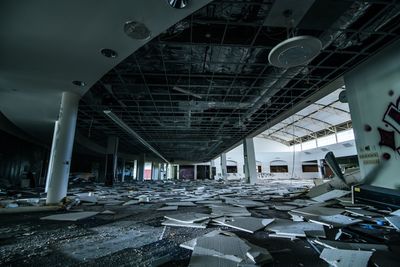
x: 79, y: 83
x: 109, y: 53
x: 178, y: 3
x: 137, y: 30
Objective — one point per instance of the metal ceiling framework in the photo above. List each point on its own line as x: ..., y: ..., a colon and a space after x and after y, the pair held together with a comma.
x: 219, y: 55
x: 296, y: 129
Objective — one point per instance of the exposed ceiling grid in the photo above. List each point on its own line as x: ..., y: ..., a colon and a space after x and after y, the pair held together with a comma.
x: 219, y: 54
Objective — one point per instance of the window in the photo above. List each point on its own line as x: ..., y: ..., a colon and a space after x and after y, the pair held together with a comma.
x: 309, y: 168
x: 231, y: 169
x: 309, y: 145
x: 326, y: 140
x: 279, y: 168
x: 147, y: 171
x: 345, y: 135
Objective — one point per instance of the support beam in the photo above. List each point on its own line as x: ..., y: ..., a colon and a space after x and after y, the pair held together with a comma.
x: 212, y: 164
x: 250, y: 161
x: 140, y: 168
x: 63, y: 144
x: 123, y: 170
x: 321, y: 168
x: 223, y: 165
x: 52, y: 153
x: 111, y: 159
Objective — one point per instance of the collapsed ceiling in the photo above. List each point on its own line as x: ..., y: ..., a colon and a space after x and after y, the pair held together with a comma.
x: 205, y: 83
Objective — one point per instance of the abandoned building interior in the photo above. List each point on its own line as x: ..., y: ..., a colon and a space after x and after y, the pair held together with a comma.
x: 200, y: 133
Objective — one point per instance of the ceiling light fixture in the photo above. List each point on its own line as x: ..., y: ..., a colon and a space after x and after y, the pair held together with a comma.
x: 295, y: 51
x: 137, y: 30
x: 79, y: 83
x: 176, y: 88
x: 129, y: 130
x: 108, y: 53
x: 178, y: 3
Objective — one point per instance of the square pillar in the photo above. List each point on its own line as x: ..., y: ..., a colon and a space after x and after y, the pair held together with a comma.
x: 111, y: 160
x: 249, y: 161
x: 140, y: 168
x: 223, y: 165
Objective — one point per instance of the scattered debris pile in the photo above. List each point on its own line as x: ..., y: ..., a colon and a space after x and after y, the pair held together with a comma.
x: 223, y: 223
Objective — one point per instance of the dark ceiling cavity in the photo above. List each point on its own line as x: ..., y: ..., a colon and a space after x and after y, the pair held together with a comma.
x: 109, y: 53
x: 218, y: 59
x: 79, y: 83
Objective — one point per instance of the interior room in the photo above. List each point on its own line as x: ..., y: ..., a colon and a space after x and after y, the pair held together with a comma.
x: 200, y: 133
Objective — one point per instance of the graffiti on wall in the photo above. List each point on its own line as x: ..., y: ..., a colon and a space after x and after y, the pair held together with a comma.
x: 391, y: 118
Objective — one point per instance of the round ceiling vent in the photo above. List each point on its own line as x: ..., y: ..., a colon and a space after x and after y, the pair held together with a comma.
x: 177, y: 3
x: 343, y: 97
x: 295, y: 51
x: 137, y: 30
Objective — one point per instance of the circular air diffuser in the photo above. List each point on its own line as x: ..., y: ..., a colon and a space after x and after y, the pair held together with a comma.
x: 177, y: 3
x: 295, y: 51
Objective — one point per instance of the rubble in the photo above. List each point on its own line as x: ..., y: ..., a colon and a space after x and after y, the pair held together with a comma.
x: 247, y: 224
x: 345, y: 258
x: 72, y: 216
x: 211, y: 219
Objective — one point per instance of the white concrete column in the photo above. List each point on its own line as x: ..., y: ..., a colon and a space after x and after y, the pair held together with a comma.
x: 250, y: 161
x: 123, y: 171
x: 161, y: 167
x: 140, y: 168
x: 111, y: 159
x: 169, y: 171
x: 212, y: 164
x: 321, y: 168
x: 373, y: 93
x: 62, y: 148
x: 223, y: 165
x: 155, y: 171
x: 52, y: 153
x: 195, y: 172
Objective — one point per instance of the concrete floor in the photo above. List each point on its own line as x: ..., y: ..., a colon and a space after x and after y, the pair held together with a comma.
x: 134, y: 236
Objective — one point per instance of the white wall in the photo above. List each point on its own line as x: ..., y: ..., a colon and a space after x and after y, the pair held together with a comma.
x: 268, y: 150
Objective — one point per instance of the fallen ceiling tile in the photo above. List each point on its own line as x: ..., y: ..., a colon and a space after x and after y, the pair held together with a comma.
x: 351, y: 245
x: 202, y: 225
x: 72, y: 216
x: 188, y: 217
x: 168, y: 208
x: 246, y: 224
x: 345, y: 258
x: 334, y: 194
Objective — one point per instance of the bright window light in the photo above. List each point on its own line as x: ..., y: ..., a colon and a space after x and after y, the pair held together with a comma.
x: 345, y: 135
x: 309, y: 145
x: 296, y: 147
x: 326, y: 140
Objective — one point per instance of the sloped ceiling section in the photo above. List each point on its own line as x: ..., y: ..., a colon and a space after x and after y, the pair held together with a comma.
x: 205, y: 83
x: 45, y: 45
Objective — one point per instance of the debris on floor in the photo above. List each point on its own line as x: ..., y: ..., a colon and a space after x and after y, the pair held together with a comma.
x: 247, y: 224
x: 198, y: 223
x: 72, y: 216
x: 346, y: 258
